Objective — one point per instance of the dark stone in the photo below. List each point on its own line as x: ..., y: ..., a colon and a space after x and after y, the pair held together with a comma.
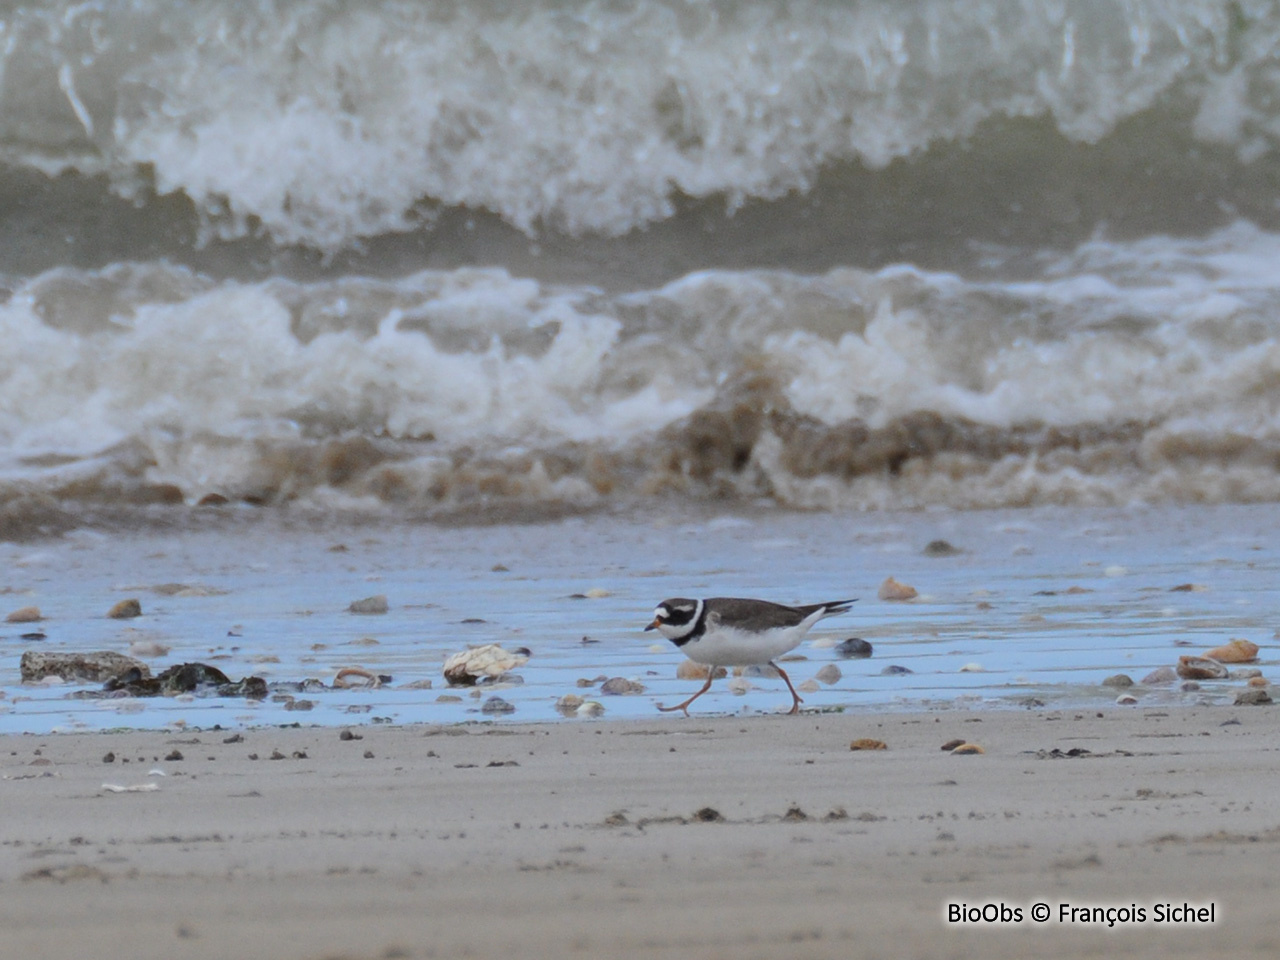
x: 855, y: 648
x: 893, y: 670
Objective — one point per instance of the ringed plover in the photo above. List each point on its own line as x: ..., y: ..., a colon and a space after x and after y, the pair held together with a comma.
x: 731, y: 632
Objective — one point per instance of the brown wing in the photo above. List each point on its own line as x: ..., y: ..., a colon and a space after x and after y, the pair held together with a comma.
x: 764, y: 615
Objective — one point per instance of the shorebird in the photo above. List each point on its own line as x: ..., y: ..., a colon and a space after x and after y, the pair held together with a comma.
x: 732, y: 632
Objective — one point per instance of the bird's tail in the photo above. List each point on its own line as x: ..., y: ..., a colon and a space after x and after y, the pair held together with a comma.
x: 834, y: 607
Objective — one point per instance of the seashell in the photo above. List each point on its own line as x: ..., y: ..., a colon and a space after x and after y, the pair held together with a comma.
x: 462, y: 669
x: 1200, y: 668
x: 357, y: 677
x: 891, y: 589
x: 967, y: 749
x: 1126, y: 699
x: 1234, y: 651
x: 569, y: 704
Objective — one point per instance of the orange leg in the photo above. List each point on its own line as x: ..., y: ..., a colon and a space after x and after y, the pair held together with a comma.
x: 795, y: 707
x: 711, y: 673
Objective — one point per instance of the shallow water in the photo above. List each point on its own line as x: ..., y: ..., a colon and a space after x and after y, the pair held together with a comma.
x: 278, y: 590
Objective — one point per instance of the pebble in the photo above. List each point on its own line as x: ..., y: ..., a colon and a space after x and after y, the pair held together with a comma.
x: 448, y: 698
x: 596, y: 593
x: 1160, y: 675
x: 891, y: 589
x: 374, y: 604
x: 1252, y: 697
x: 1189, y: 686
x: 1259, y: 682
x: 125, y: 610
x: 1118, y: 680
x: 893, y: 670
x: 758, y: 671
x: 691, y: 670
x: 1126, y: 699
x: 96, y: 667
x: 619, y: 686
x: 1234, y: 651
x: 952, y: 744
x: 1115, y: 570
x: 148, y: 648
x: 941, y: 548
x: 591, y: 708
x: 1245, y: 673
x: 855, y: 648
x: 866, y: 743
x: 739, y: 685
x: 973, y: 668
x: 966, y: 749
x: 497, y: 705
x: 24, y: 615
x: 809, y: 686
x: 829, y: 674
x: 1200, y: 668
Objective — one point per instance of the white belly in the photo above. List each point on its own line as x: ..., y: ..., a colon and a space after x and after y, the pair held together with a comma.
x: 726, y: 647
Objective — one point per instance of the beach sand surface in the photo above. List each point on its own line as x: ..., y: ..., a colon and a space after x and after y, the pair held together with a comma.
x: 710, y: 836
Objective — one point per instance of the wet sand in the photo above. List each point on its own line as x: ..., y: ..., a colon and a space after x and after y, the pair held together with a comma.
x: 598, y: 838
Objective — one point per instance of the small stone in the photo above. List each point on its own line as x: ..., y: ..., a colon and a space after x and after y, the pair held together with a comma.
x: 1259, y: 682
x: 96, y: 667
x: 1115, y: 570
x: 591, y: 708
x: 499, y: 568
x: 1189, y: 686
x: 148, y: 648
x: 1244, y: 673
x: 966, y: 749
x: 175, y: 755
x: 617, y: 686
x: 866, y: 743
x: 1200, y: 668
x: 497, y: 705
x: 894, y: 670
x: 1160, y: 675
x: 368, y: 754
x: 973, y: 668
x: 891, y: 589
x: 941, y: 548
x: 708, y: 815
x: 1126, y: 699
x: 758, y: 671
x: 809, y: 686
x: 739, y: 686
x: 370, y: 605
x: 1234, y: 651
x: 125, y: 610
x: 1253, y: 697
x: 855, y: 648
x: 448, y: 698
x: 596, y: 593
x: 24, y: 615
x: 692, y: 670
x: 1188, y: 588
x: 952, y: 744
x: 300, y: 705
x: 829, y: 674
x: 1118, y: 680
x: 109, y: 757
x: 348, y: 735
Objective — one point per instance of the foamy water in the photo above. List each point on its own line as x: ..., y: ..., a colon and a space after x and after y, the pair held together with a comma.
x: 470, y: 262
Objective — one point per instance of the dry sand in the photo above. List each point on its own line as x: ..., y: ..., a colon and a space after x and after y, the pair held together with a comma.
x: 585, y: 839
